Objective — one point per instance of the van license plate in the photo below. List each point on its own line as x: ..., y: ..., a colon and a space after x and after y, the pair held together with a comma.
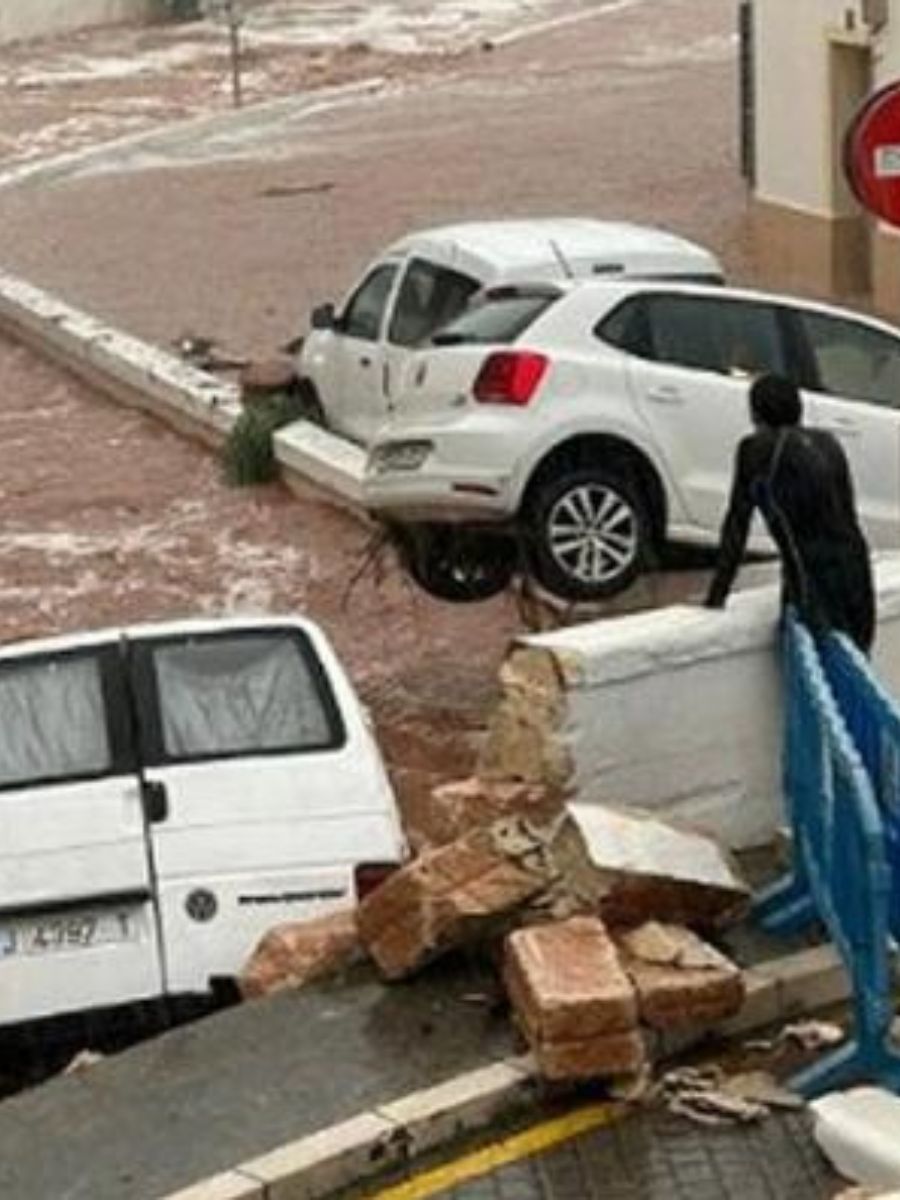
x: 66, y: 932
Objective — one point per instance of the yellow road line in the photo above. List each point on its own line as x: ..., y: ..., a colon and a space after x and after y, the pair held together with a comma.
x: 510, y: 1149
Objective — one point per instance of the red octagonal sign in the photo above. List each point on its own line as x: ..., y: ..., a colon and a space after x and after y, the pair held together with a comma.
x: 872, y: 154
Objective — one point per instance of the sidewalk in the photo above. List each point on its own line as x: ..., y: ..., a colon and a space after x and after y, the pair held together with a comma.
x: 207, y: 1096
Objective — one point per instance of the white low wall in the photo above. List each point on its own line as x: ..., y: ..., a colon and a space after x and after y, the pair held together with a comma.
x: 20, y: 19
x: 677, y: 711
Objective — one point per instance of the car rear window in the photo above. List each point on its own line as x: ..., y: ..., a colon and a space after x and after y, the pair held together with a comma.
x: 501, y: 317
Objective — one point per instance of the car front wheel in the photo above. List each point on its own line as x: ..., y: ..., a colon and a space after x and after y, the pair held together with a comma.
x: 588, y: 533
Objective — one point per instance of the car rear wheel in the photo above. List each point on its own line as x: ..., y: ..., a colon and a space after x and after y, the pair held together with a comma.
x: 588, y: 533
x: 458, y: 565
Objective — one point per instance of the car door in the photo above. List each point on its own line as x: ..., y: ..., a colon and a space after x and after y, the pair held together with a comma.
x: 850, y: 373
x: 356, y: 399
x: 693, y: 357
x: 428, y: 297
x: 270, y: 791
x: 78, y: 924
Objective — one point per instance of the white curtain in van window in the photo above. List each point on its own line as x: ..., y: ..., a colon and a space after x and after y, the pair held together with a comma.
x: 237, y: 695
x: 52, y: 721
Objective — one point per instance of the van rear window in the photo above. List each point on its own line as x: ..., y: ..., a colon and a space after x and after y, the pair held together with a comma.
x: 500, y: 318
x: 52, y: 721
x: 238, y: 694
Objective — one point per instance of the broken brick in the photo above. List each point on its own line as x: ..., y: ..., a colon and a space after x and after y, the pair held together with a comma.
x: 442, y: 899
x: 575, y: 1004
x: 290, y: 955
x: 679, y: 979
x: 631, y: 868
x: 458, y: 807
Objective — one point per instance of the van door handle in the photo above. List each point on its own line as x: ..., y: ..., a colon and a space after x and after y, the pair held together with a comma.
x: 155, y: 800
x: 665, y: 394
x: 365, y: 361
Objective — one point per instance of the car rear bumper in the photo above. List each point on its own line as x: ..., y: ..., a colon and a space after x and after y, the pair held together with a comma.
x: 465, y: 473
x: 460, y: 496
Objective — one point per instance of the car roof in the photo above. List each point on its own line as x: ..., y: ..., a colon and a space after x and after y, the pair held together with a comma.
x: 610, y: 292
x: 495, y: 250
x: 157, y: 629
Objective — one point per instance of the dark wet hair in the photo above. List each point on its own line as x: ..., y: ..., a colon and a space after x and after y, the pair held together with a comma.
x: 775, y: 401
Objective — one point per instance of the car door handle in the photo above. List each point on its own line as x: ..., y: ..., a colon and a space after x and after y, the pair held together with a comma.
x: 665, y: 394
x: 155, y: 800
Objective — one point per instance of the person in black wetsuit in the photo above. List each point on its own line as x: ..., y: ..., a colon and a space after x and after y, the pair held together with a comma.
x: 799, y: 479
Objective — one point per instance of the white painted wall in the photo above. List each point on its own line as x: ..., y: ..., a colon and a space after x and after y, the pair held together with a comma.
x: 679, y: 710
x: 792, y: 100
x: 21, y: 19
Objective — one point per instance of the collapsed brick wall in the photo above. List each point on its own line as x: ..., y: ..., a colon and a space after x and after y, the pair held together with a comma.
x: 677, y: 711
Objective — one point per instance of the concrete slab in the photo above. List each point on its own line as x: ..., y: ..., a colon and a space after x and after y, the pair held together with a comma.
x: 232, y: 1088
x: 859, y: 1131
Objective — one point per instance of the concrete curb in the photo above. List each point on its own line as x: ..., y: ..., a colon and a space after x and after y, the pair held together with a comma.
x: 192, y: 401
x: 390, y: 1134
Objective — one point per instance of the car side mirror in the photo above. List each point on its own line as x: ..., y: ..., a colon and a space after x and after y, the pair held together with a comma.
x: 323, y: 317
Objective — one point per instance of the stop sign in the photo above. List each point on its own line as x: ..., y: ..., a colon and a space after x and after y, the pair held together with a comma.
x: 872, y: 154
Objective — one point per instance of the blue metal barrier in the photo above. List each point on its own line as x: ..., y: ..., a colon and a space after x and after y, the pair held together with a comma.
x: 841, y: 871
x: 873, y: 720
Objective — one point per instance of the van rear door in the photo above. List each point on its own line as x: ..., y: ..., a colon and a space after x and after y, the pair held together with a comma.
x: 77, y: 919
x: 268, y: 788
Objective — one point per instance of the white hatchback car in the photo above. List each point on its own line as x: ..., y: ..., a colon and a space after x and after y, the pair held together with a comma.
x: 599, y: 419
x: 352, y: 361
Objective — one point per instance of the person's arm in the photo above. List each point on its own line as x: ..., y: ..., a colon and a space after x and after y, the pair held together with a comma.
x: 735, y: 528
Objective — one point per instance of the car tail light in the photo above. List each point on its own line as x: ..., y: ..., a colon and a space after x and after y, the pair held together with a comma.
x: 369, y: 876
x: 510, y: 377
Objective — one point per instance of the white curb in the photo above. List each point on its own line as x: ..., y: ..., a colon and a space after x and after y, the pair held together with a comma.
x: 192, y: 401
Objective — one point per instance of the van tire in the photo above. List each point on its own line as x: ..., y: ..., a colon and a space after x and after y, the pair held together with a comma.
x: 588, y: 533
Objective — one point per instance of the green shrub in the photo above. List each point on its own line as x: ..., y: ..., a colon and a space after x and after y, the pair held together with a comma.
x: 249, y: 454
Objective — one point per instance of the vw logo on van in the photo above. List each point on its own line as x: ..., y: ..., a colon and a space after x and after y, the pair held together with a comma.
x: 201, y: 905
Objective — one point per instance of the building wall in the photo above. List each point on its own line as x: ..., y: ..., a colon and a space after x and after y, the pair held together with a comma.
x: 20, y: 19
x: 815, y: 60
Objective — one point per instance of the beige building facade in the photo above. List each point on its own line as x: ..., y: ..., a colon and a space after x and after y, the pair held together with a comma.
x: 22, y: 19
x: 808, y: 65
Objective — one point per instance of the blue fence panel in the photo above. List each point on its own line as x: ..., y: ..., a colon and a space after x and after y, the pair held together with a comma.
x: 841, y: 871
x: 873, y: 720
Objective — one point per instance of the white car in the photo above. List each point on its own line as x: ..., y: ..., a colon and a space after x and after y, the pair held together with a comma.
x: 352, y: 361
x: 169, y: 793
x: 600, y: 419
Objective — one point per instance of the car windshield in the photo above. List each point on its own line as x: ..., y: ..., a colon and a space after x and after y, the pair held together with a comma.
x: 500, y: 316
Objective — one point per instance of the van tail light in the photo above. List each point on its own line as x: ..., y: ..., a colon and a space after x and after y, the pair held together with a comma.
x: 369, y: 876
x: 510, y: 377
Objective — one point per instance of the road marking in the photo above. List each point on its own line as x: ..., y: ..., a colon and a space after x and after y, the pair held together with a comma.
x: 499, y: 1154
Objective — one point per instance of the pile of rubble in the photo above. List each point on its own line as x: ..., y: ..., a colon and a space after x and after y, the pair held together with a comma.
x: 595, y: 913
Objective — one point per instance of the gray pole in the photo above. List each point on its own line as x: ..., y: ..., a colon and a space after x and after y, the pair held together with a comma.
x: 234, y: 38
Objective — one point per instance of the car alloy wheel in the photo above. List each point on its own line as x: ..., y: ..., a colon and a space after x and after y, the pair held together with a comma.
x: 588, y: 534
x: 592, y: 533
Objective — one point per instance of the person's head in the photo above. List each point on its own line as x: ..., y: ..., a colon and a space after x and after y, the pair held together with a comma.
x: 775, y: 401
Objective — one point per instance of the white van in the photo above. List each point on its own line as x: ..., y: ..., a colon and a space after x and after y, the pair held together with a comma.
x: 352, y: 365
x: 168, y: 793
